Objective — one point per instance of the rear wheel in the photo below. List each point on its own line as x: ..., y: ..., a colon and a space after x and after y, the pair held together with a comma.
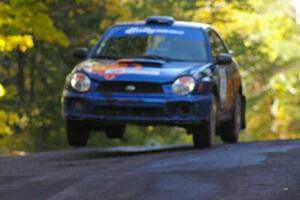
x: 77, y: 133
x: 204, y: 134
x: 230, y: 130
x: 115, y: 131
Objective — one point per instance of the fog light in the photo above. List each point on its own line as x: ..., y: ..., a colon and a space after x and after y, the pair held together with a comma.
x: 184, y: 110
x: 77, y: 105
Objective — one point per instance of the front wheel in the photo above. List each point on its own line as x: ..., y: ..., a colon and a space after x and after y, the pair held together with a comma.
x: 77, y: 133
x: 204, y: 134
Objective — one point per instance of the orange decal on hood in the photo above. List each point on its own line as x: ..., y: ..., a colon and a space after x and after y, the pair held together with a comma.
x: 108, y: 70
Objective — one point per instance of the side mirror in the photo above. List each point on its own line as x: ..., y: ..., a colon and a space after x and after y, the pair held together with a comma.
x: 224, y: 59
x: 80, y: 53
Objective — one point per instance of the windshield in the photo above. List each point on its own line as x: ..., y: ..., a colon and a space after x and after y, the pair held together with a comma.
x: 154, y: 42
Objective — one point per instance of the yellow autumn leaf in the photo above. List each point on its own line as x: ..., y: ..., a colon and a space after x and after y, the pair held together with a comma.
x: 2, y: 91
x: 9, y: 43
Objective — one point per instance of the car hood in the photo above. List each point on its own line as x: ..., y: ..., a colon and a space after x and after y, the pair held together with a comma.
x: 141, y: 70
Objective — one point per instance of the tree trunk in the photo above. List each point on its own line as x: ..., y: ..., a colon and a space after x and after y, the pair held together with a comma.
x: 20, y: 77
x: 32, y: 80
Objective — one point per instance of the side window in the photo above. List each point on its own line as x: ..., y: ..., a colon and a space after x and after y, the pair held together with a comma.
x: 216, y: 44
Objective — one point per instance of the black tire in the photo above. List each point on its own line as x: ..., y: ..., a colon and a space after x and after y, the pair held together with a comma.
x: 115, y: 131
x: 204, y: 134
x: 243, y: 101
x: 77, y: 133
x: 230, y: 130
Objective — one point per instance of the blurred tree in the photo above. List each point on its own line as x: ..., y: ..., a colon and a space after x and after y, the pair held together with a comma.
x: 21, y: 24
x: 36, y: 38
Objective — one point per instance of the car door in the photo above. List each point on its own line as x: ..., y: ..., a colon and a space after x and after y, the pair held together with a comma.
x: 225, y: 73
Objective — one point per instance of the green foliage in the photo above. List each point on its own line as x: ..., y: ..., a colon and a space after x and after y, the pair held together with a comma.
x: 262, y: 33
x: 20, y: 20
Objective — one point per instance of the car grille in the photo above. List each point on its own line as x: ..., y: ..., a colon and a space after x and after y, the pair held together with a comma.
x: 129, y: 111
x: 130, y: 87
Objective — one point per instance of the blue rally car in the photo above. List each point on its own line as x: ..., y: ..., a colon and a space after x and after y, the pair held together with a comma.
x: 156, y: 72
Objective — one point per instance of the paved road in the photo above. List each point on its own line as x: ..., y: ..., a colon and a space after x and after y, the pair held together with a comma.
x: 261, y: 170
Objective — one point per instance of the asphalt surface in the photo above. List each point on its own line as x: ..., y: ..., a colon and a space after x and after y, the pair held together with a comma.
x: 261, y: 170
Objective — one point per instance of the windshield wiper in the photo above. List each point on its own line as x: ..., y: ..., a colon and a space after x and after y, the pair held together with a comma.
x: 108, y: 57
x: 161, y: 58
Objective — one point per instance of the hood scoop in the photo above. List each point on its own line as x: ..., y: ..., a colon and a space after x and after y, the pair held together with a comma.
x: 141, y: 61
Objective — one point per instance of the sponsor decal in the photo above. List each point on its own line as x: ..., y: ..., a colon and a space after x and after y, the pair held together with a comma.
x: 223, y: 87
x: 112, y: 70
x: 204, y: 72
x: 151, y: 31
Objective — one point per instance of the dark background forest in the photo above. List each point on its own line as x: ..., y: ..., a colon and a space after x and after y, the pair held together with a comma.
x: 37, y: 38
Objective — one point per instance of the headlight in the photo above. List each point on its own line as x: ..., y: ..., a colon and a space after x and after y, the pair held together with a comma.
x: 183, y: 85
x: 80, y: 82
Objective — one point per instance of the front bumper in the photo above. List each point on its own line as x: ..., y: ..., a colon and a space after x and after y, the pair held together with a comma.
x: 145, y: 109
